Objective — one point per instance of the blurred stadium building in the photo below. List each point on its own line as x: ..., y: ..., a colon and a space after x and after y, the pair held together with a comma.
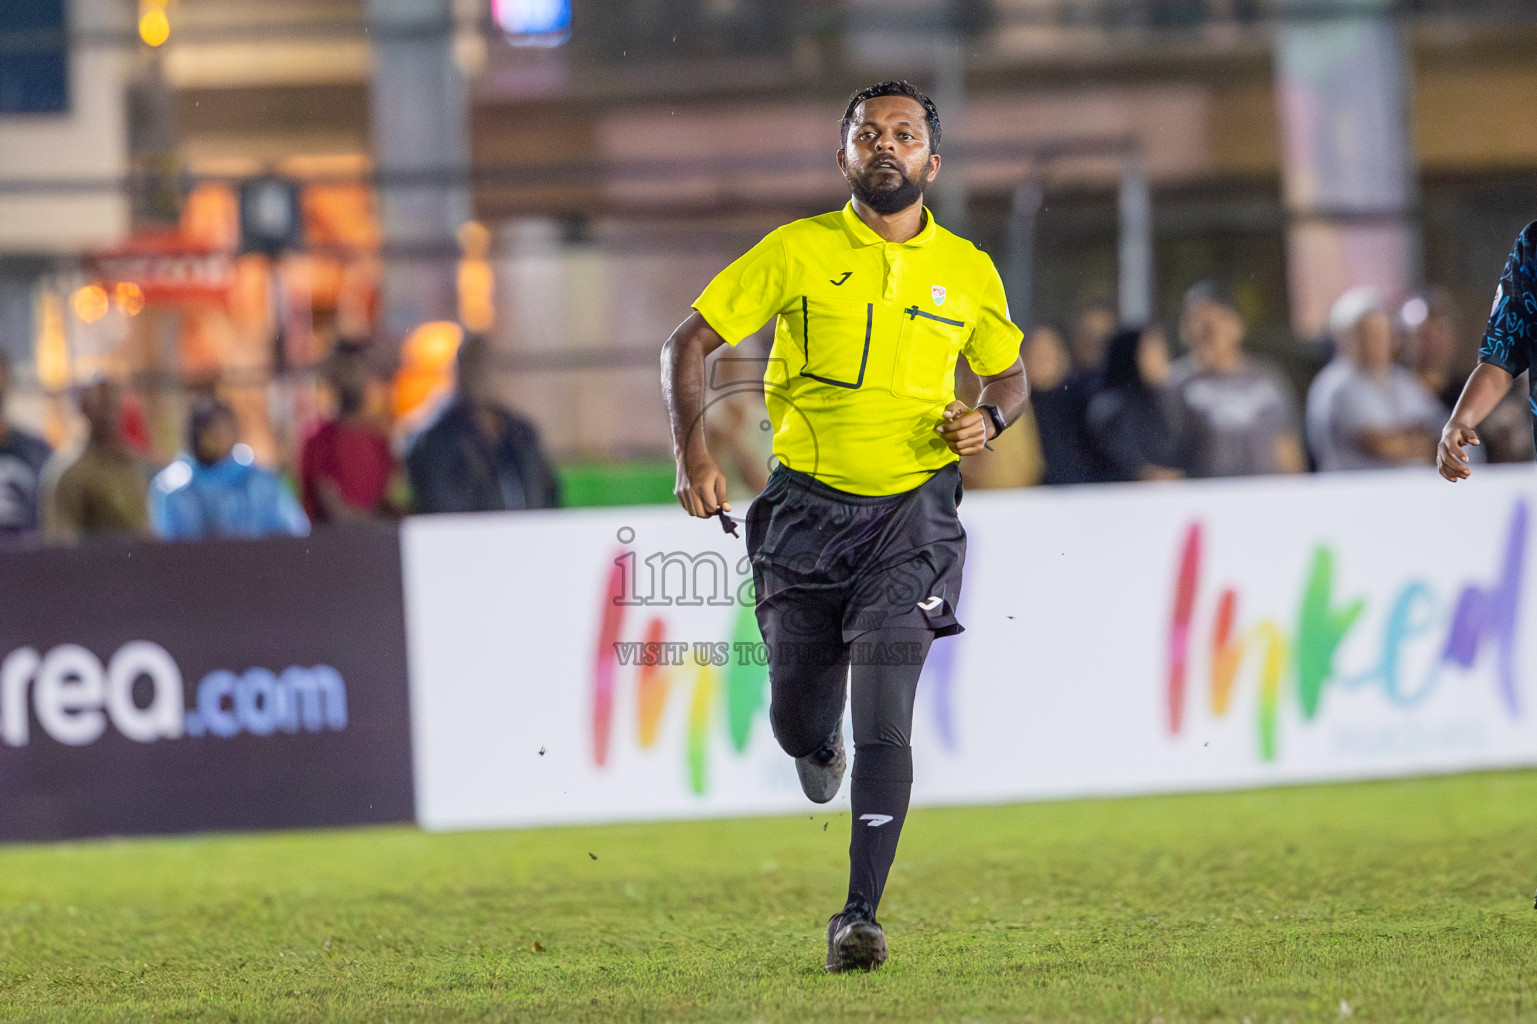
x: 214, y: 190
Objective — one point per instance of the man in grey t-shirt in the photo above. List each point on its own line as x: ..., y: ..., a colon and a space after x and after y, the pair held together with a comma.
x: 1235, y: 415
x: 1372, y: 413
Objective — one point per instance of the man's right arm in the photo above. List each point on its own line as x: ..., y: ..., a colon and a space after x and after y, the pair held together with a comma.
x: 1483, y: 391
x: 701, y: 487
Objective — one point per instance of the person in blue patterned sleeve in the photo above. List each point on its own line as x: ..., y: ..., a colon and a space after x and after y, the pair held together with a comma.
x: 1506, y: 352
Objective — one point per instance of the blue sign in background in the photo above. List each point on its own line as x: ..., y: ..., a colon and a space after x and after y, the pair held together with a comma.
x: 532, y: 17
x: 34, y: 57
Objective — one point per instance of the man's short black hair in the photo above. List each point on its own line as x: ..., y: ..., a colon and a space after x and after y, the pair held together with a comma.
x: 349, y: 346
x: 1213, y: 291
x: 930, y: 111
x: 205, y: 412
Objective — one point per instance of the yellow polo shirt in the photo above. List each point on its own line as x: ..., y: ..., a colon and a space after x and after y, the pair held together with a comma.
x: 863, y: 362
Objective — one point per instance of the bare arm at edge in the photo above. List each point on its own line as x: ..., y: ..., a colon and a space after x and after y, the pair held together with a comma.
x: 1486, y: 386
x: 701, y: 486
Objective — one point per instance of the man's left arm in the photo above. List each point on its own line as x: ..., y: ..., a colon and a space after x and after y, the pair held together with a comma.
x: 967, y: 430
x: 1287, y: 451
x: 993, y: 352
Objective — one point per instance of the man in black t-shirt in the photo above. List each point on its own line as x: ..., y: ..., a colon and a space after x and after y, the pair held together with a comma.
x: 477, y: 456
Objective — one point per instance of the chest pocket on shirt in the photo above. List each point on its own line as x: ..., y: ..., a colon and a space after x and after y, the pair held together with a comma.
x: 836, y: 336
x: 926, y: 355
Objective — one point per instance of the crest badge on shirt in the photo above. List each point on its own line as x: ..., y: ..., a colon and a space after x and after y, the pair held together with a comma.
x: 938, y: 291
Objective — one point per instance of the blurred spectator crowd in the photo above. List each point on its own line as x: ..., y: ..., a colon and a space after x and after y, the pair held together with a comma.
x: 1111, y: 403
x: 469, y: 455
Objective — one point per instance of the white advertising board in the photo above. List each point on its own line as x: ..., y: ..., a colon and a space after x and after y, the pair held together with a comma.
x: 1120, y: 639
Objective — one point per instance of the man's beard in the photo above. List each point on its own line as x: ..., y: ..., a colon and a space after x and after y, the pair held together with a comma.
x: 888, y: 199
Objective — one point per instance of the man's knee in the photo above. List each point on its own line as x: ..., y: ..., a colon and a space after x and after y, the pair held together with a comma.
x: 797, y: 734
x: 889, y: 762
x: 808, y: 687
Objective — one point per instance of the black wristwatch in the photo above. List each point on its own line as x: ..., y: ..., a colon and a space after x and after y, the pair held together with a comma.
x: 996, y: 415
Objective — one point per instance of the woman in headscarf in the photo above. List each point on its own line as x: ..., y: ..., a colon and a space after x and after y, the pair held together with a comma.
x: 1128, y: 421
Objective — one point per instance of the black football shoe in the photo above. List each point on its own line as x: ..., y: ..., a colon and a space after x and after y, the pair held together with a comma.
x: 855, y: 941
x: 821, y: 771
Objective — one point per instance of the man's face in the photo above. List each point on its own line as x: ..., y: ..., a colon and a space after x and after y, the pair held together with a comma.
x: 1436, y: 340
x: 1045, y: 357
x: 102, y: 406
x: 474, y: 378
x: 217, y: 441
x: 1212, y: 331
x: 885, y: 156
x: 348, y: 376
x: 1095, y: 326
x: 1153, y: 356
x: 1374, y: 341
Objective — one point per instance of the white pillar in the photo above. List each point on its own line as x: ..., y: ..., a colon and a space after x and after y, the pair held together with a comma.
x: 1348, y: 164
x: 1019, y: 262
x: 1135, y: 287
x: 422, y: 156
x: 949, y: 191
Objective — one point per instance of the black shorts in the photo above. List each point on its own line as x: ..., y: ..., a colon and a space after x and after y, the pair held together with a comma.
x: 828, y: 566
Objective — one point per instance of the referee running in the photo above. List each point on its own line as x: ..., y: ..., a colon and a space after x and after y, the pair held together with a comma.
x: 855, y: 543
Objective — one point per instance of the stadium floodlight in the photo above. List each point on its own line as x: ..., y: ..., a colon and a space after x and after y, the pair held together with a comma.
x: 533, y: 22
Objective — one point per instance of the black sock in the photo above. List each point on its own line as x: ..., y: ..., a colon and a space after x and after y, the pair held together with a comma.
x: 883, y: 784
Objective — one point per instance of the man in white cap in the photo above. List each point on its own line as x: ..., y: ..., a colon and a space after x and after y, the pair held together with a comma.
x: 1365, y: 411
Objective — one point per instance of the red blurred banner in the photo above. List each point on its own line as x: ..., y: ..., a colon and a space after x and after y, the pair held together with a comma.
x: 168, y: 266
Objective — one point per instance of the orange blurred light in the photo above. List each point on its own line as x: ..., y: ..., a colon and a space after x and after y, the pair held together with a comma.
x: 210, y: 216
x: 52, y: 354
x: 426, y: 366
x: 432, y: 346
x: 154, y: 26
x: 90, y: 303
x: 474, y: 239
x: 130, y: 297
x: 477, y: 290
x: 477, y: 282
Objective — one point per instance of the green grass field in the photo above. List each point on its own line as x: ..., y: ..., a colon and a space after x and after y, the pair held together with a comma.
x: 1400, y: 901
